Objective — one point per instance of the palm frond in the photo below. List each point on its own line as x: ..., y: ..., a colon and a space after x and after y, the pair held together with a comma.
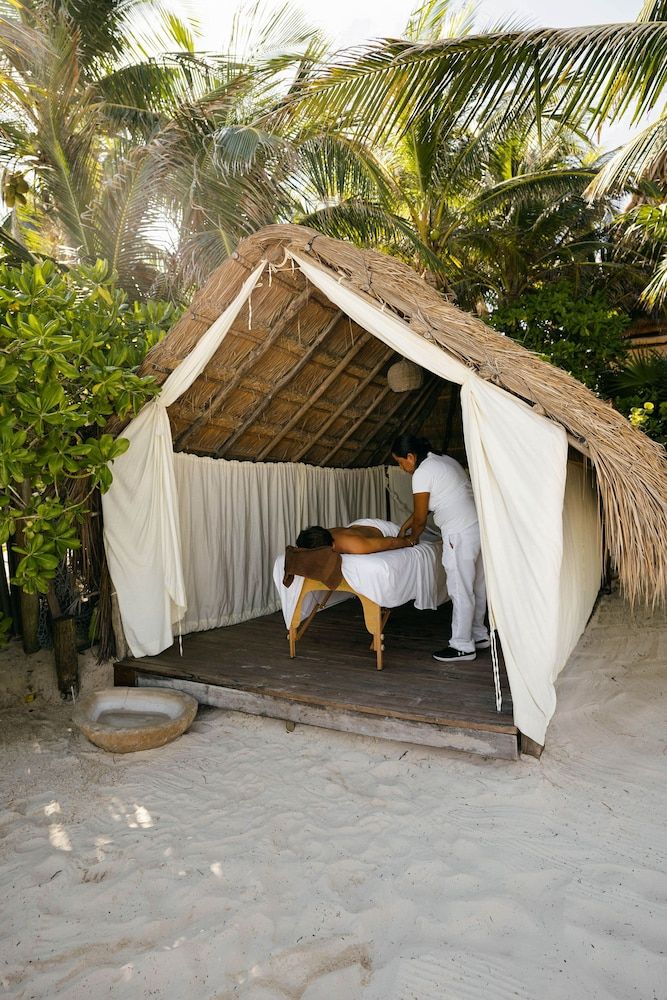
x: 127, y: 217
x: 653, y: 10
x: 372, y: 225
x: 546, y: 185
x: 597, y: 72
x: 12, y: 249
x: 644, y: 370
x: 643, y: 157
x: 655, y: 294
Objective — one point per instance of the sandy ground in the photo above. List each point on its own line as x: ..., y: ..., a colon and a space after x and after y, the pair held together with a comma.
x: 246, y: 862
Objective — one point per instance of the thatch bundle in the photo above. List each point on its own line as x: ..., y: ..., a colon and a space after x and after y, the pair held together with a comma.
x: 296, y: 380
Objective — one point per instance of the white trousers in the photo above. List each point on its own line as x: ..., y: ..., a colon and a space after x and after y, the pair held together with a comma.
x: 462, y: 559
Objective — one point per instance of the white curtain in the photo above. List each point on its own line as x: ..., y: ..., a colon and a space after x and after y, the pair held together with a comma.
x: 582, y: 567
x: 517, y: 463
x: 141, y: 520
x: 399, y: 485
x: 237, y: 517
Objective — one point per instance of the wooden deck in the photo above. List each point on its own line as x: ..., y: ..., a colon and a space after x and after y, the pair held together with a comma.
x: 333, y: 682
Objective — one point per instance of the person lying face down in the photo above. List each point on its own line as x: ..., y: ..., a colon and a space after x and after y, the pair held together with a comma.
x: 357, y: 539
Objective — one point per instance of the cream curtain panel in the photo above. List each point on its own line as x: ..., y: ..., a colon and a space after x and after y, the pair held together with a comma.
x: 237, y: 517
x: 141, y: 520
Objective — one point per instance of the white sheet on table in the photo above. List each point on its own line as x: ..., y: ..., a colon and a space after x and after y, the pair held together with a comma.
x: 388, y: 528
x: 388, y: 578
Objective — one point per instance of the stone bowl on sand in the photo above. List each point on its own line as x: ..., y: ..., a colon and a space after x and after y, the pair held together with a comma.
x: 125, y: 719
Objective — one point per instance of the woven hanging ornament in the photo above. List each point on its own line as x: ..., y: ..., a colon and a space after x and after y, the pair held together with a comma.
x: 404, y: 375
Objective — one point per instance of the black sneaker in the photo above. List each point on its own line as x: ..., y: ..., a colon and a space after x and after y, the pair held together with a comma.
x: 482, y: 643
x: 449, y: 654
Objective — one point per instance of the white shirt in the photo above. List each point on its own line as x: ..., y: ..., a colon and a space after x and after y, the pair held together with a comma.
x: 451, y: 498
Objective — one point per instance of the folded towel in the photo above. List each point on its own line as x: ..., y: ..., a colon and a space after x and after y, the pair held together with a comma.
x: 321, y: 564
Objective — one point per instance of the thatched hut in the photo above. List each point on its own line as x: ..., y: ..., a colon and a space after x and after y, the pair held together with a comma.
x: 281, y: 364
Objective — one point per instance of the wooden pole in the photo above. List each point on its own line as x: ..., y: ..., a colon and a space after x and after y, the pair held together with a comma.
x: 29, y: 602
x: 66, y: 656
x: 345, y: 405
x: 370, y: 444
x: 5, y: 595
x: 419, y: 413
x: 405, y: 419
x: 356, y: 425
x: 14, y: 591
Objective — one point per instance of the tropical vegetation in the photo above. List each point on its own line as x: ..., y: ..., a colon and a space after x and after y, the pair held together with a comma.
x: 69, y: 343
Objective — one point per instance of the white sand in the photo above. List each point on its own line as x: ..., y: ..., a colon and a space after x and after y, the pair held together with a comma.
x: 246, y: 862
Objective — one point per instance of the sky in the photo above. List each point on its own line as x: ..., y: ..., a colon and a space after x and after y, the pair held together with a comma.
x: 351, y: 22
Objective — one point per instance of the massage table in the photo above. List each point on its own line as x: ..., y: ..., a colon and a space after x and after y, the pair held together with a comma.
x: 381, y: 581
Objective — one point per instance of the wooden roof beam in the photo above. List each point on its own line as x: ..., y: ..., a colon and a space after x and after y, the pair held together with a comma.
x: 363, y: 445
x: 285, y: 380
x: 423, y: 397
x: 246, y: 364
x: 357, y: 423
x: 345, y: 405
x: 361, y: 342
x: 414, y: 419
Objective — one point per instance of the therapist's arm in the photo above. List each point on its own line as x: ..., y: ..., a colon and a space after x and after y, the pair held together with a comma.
x: 419, y: 514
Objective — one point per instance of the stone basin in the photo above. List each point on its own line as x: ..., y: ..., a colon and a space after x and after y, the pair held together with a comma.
x: 125, y: 719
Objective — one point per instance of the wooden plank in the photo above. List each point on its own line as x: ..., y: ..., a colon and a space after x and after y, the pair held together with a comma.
x: 407, y: 698
x: 485, y: 743
x: 338, y: 701
x: 124, y: 675
x: 334, y: 669
x: 530, y: 747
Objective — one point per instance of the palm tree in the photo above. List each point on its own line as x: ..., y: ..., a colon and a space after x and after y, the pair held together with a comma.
x: 244, y: 157
x: 159, y: 164
x: 581, y: 78
x: 487, y: 208
x: 75, y: 123
x: 585, y: 76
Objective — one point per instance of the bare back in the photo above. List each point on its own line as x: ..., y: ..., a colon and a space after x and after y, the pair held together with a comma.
x: 363, y: 539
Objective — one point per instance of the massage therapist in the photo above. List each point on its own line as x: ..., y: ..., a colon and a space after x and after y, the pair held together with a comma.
x: 441, y: 485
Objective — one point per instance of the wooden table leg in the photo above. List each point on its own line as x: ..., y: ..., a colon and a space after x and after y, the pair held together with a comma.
x: 297, y: 627
x: 373, y: 620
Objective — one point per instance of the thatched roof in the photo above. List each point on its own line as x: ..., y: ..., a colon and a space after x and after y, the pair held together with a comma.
x: 298, y: 381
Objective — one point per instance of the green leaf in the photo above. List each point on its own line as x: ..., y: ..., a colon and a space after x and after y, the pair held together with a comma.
x: 8, y: 374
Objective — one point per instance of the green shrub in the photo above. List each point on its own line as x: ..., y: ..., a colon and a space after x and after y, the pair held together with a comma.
x: 69, y: 346
x: 579, y: 331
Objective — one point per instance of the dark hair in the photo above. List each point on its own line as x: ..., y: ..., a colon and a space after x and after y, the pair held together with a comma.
x: 408, y: 444
x: 314, y: 537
